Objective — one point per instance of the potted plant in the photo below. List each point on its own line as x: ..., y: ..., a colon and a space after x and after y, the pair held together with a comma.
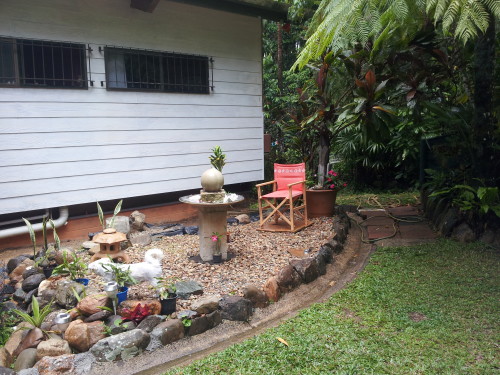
x: 77, y: 269
x: 123, y: 277
x: 212, y: 179
x: 321, y: 199
x: 167, y: 294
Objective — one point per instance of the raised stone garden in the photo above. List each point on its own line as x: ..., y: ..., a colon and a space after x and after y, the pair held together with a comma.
x: 262, y: 267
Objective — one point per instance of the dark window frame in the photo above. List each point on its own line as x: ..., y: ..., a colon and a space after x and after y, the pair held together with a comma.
x: 46, y: 64
x: 144, y: 70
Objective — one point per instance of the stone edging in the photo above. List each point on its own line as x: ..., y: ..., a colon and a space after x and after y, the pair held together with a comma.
x: 154, y: 333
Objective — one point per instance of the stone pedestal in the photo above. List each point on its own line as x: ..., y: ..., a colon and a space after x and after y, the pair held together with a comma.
x: 213, y: 219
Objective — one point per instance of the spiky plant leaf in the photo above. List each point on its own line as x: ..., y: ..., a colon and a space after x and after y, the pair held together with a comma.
x: 101, y: 216
x: 56, y: 236
x: 32, y: 235
x: 116, y: 212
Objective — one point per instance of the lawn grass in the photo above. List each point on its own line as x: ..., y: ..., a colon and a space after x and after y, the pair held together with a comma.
x: 429, y: 309
x: 375, y: 200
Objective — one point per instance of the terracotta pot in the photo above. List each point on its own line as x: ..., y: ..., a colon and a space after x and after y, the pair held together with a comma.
x: 320, y: 203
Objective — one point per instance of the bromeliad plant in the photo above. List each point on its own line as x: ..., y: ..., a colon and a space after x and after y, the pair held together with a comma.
x: 137, y: 314
x: 39, y: 315
x: 101, y: 215
x: 218, y: 158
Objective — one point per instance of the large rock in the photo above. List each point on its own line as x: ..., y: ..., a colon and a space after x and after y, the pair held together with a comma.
x: 89, y: 305
x: 198, y: 325
x: 65, y: 293
x: 81, y: 336
x: 272, y: 289
x: 336, y: 246
x: 30, y: 271
x: 256, y: 295
x: 30, y: 340
x: 14, y: 341
x: 326, y: 252
x: 463, y: 233
x: 52, y: 348
x: 243, y: 219
x: 69, y: 254
x: 307, y: 268
x: 14, y: 262
x: 169, y: 331
x: 3, y: 357
x: 60, y: 365
x: 288, y: 279
x: 236, y: 308
x: 153, y: 305
x: 214, y: 319
x: 16, y: 275
x: 33, y: 281
x: 185, y: 289
x: 121, y: 224
x: 6, y: 371
x: 320, y: 263
x: 150, y: 322
x: 206, y: 305
x: 26, y: 359
x: 449, y: 221
x: 121, y: 346
x: 101, y: 315
x: 19, y: 295
x: 140, y: 238
x: 47, y: 289
x: 137, y: 220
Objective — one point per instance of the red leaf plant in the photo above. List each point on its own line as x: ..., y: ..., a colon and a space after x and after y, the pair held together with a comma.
x: 137, y: 314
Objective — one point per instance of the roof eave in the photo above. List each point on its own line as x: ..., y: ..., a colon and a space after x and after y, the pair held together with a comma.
x: 266, y: 9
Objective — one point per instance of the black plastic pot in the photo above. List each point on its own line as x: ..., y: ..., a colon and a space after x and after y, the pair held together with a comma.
x: 217, y: 259
x: 168, y: 305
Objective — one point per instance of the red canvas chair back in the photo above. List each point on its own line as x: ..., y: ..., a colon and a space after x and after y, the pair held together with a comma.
x: 285, y: 174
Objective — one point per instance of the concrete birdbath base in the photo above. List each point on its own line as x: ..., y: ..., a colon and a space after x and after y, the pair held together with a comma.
x: 212, y: 215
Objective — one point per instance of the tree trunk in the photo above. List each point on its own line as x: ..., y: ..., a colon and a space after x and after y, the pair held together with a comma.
x: 324, y: 156
x: 483, y: 122
x: 279, y: 57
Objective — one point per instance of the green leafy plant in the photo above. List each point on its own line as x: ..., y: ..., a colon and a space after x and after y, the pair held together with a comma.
x: 218, y: 158
x: 116, y: 324
x: 186, y: 322
x: 75, y: 269
x: 166, y: 287
x: 466, y: 198
x: 39, y: 315
x: 123, y: 277
x: 100, y: 213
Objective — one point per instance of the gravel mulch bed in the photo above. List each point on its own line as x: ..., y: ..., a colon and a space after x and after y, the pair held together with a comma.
x: 257, y: 256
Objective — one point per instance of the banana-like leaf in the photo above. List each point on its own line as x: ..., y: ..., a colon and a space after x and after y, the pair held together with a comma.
x: 117, y: 210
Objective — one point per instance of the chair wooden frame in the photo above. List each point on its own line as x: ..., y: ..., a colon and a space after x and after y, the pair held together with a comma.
x: 289, y: 199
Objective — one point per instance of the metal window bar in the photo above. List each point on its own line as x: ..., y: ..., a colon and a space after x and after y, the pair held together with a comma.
x: 149, y: 70
x: 42, y: 63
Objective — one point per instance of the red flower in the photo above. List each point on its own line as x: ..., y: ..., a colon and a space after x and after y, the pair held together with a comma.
x: 335, y: 174
x: 332, y: 186
x: 215, y: 238
x: 330, y: 172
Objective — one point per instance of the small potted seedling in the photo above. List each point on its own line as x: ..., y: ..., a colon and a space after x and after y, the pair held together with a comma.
x: 168, y: 296
x: 77, y: 269
x: 123, y: 277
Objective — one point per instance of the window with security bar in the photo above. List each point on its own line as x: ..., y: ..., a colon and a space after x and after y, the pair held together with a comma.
x: 41, y: 63
x: 142, y: 70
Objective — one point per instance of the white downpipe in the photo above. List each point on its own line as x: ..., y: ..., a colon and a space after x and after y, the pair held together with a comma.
x: 62, y: 220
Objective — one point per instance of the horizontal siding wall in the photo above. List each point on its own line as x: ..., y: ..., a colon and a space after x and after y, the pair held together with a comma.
x: 62, y: 147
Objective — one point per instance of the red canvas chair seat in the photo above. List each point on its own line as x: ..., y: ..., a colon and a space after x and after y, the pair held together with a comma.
x: 288, y: 187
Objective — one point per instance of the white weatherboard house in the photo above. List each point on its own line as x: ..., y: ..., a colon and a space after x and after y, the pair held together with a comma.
x: 109, y: 99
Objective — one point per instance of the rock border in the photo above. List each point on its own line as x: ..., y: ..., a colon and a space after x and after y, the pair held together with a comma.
x: 155, y: 332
